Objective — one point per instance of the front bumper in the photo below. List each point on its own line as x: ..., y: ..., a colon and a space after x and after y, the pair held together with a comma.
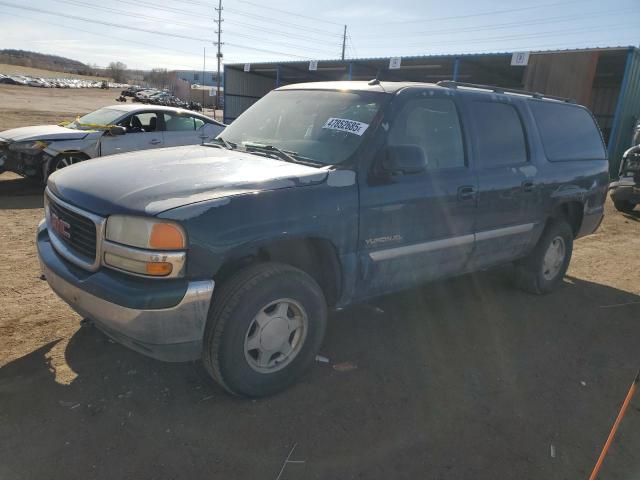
x: 159, y: 318
x: 625, y: 189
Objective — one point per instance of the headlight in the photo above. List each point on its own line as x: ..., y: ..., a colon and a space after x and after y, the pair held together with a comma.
x: 157, y: 246
x: 28, y: 147
x: 144, y: 232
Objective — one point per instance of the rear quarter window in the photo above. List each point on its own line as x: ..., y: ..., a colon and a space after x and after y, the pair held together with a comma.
x: 568, y: 132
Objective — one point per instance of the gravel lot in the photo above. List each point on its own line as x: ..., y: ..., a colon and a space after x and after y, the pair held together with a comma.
x: 468, y: 378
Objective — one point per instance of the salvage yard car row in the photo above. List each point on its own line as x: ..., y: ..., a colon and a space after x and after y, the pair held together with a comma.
x: 56, y: 82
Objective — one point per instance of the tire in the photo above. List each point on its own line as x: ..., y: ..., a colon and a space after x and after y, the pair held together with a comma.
x: 624, y: 206
x: 533, y: 273
x: 64, y: 160
x: 234, y: 327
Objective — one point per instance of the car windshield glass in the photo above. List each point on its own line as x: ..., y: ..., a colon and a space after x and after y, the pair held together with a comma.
x: 324, y: 126
x: 104, y: 116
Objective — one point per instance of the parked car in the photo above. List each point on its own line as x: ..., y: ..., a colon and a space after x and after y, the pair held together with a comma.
x: 41, y: 150
x: 318, y: 196
x: 625, y: 192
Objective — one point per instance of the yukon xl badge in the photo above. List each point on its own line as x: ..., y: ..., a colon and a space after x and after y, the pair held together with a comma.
x: 372, y: 242
x: 60, y: 226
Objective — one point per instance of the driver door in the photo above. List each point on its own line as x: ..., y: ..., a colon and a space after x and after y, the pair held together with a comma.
x: 143, y: 132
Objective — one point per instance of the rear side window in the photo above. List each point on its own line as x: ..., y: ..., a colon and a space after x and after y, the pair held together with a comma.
x: 178, y: 123
x: 500, y: 139
x: 568, y: 132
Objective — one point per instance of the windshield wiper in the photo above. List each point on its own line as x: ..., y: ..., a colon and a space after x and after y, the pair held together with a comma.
x: 286, y: 155
x: 225, y: 143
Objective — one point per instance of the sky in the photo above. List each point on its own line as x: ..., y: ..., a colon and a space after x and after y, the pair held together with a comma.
x: 175, y: 34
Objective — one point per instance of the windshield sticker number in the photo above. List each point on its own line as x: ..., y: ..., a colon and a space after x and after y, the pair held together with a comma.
x: 350, y: 126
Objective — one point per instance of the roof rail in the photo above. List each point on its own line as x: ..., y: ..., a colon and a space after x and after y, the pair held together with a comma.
x: 453, y: 84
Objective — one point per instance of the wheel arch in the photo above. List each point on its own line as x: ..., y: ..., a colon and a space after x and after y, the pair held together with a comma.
x: 571, y: 211
x: 316, y: 256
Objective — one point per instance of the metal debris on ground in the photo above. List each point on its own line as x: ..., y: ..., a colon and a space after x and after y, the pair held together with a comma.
x: 321, y: 359
x: 553, y: 451
x: 288, y: 460
x: 344, y: 367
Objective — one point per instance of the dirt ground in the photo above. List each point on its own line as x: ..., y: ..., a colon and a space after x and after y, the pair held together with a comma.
x: 468, y: 378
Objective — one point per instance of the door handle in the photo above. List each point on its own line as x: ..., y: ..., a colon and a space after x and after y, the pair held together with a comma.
x: 155, y: 141
x: 466, y: 192
x: 528, y: 187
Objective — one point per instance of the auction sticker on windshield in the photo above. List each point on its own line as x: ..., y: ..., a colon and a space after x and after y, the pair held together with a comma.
x: 344, y: 125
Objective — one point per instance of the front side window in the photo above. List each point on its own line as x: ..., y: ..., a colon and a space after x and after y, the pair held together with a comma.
x: 568, y: 131
x: 144, y: 122
x: 500, y: 136
x: 433, y: 125
x: 324, y: 126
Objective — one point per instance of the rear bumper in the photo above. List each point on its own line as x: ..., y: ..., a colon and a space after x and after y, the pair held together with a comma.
x: 171, y: 333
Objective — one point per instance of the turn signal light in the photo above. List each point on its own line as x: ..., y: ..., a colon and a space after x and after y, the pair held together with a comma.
x: 165, y: 236
x: 159, y: 269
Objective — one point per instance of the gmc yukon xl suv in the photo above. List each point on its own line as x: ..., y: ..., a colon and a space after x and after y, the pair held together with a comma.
x: 318, y: 196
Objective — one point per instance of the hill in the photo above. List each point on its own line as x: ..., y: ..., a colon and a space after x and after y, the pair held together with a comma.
x: 40, y: 72
x: 44, y: 61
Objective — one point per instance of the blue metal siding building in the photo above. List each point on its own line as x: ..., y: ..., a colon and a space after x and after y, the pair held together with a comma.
x: 607, y: 80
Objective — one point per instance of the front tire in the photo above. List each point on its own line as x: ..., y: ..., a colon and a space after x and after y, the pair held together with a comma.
x: 544, y: 268
x: 624, y: 206
x: 65, y: 160
x: 264, y: 329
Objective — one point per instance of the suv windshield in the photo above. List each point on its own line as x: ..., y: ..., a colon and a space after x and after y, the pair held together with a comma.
x: 324, y: 126
x: 104, y: 116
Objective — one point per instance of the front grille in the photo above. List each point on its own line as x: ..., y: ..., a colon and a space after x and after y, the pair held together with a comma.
x: 76, y: 231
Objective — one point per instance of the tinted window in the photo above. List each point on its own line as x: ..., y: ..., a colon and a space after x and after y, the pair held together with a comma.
x: 568, y: 132
x: 178, y: 123
x: 433, y: 124
x: 500, y: 139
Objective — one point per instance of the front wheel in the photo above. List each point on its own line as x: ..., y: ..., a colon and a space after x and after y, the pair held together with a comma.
x: 65, y: 160
x: 264, y: 329
x: 544, y: 268
x: 624, y: 206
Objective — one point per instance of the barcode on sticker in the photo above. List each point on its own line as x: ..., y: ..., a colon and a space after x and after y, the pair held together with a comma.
x: 350, y: 126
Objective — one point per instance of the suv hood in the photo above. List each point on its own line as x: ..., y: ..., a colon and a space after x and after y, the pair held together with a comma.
x: 42, y: 132
x: 150, y: 182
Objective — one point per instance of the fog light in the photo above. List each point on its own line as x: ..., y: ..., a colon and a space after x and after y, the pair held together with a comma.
x: 156, y: 269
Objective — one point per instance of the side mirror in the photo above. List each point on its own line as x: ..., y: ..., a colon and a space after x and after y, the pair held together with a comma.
x: 117, y: 130
x: 405, y: 160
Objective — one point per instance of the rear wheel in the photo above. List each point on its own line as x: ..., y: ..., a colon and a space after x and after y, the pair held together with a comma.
x: 264, y: 329
x: 546, y: 265
x: 624, y: 206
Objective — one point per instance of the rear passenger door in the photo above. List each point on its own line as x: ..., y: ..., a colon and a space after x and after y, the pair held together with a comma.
x: 506, y: 180
x: 416, y: 227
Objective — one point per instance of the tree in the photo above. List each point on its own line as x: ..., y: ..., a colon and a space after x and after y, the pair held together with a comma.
x: 117, y: 71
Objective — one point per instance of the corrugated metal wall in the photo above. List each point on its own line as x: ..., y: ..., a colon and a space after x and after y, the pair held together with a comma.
x: 243, y: 90
x: 627, y: 111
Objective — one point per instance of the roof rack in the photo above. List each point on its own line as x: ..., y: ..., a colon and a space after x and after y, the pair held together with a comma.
x: 453, y: 84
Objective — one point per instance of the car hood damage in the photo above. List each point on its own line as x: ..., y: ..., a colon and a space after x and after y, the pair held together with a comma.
x: 149, y: 183
x: 42, y: 132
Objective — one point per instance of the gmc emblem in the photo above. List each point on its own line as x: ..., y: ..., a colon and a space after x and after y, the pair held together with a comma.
x: 60, y: 226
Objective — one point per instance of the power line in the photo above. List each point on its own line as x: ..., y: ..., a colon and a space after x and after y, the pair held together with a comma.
x: 144, y: 30
x: 272, y: 20
x: 481, y: 14
x: 190, y: 25
x: 288, y: 12
x: 520, y: 23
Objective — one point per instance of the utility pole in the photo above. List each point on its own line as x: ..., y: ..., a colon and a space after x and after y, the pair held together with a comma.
x: 219, y: 54
x: 204, y: 63
x: 344, y: 41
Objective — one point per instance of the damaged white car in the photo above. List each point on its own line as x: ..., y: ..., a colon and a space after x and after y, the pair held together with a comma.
x: 41, y: 150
